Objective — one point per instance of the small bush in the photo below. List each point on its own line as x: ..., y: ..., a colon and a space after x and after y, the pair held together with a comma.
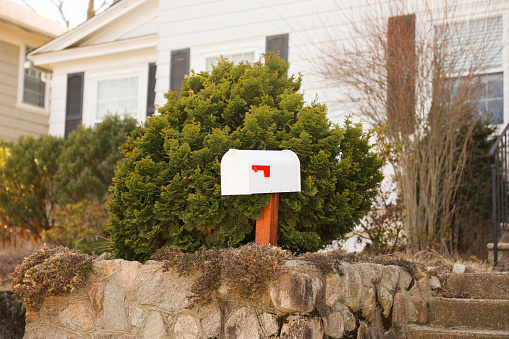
x: 49, y: 272
x: 167, y: 191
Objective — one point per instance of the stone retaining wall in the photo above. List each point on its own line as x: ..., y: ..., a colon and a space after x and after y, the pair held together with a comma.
x: 125, y: 299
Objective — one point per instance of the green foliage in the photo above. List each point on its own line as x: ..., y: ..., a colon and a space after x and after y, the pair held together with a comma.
x: 167, y: 190
x: 28, y: 191
x: 472, y: 219
x: 40, y: 176
x: 49, y: 272
x: 245, y: 271
x: 89, y: 159
x: 76, y: 221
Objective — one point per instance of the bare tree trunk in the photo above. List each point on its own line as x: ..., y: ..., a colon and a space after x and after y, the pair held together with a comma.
x: 90, y: 10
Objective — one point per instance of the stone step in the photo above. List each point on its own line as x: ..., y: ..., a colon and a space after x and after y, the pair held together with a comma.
x: 425, y: 332
x: 469, y: 313
x: 480, y: 285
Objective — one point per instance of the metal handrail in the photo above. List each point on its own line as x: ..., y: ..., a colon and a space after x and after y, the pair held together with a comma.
x: 499, y: 157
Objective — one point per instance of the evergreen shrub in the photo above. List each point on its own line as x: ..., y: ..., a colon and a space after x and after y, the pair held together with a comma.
x: 167, y: 189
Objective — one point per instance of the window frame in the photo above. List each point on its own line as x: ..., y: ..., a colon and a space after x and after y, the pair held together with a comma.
x: 45, y: 77
x: 92, y: 80
x: 202, y: 53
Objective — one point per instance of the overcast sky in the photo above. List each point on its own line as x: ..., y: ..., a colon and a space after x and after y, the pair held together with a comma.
x: 75, y: 10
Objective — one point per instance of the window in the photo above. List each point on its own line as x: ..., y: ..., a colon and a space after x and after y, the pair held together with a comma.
x: 33, y: 86
x: 236, y: 58
x: 491, y: 101
x: 117, y: 96
x: 476, y: 46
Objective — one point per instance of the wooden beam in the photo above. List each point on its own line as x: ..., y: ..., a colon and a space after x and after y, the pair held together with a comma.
x: 266, y: 225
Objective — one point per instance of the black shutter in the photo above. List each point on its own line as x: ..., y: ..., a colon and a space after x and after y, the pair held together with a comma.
x: 179, y: 67
x: 74, y: 104
x: 151, y: 92
x: 276, y: 43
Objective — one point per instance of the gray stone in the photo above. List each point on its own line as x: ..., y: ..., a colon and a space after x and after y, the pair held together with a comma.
x: 350, y: 321
x: 386, y: 299
x: 405, y: 279
x: 210, y: 320
x: 352, y: 290
x: 269, y: 323
x: 334, y: 325
x: 242, y: 324
x: 115, y: 317
x: 369, y: 305
x: 137, y: 317
x: 458, y: 268
x: 186, y: 328
x: 295, y: 292
x: 167, y: 290
x: 435, y: 283
x: 47, y: 332
x: 399, y: 310
x: 370, y: 274
x: 333, y: 288
x: 302, y: 328
x: 425, y: 289
x: 390, y: 278
x: 154, y: 327
x: 77, y: 317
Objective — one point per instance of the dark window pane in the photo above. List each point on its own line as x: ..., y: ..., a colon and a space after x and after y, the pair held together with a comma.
x: 496, y: 111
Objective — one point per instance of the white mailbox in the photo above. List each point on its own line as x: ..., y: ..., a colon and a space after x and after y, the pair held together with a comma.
x: 251, y: 172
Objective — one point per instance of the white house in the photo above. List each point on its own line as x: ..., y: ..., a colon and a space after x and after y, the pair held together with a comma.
x: 125, y: 59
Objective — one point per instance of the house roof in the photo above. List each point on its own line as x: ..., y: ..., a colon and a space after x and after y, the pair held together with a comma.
x: 90, y: 27
x: 28, y: 19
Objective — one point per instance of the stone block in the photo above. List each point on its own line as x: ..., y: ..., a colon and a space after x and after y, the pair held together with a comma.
x: 77, y: 317
x: 295, y: 292
x: 399, y: 310
x: 109, y: 267
x: 269, y: 324
x: 137, y: 317
x: 334, y: 324
x: 210, y: 320
x: 386, y: 300
x: 167, y: 290
x: 371, y: 274
x: 154, y: 327
x: 115, y: 317
x: 96, y: 295
x: 369, y: 305
x: 390, y: 278
x: 299, y: 328
x: 186, y: 328
x: 242, y: 324
x: 435, y: 283
x: 128, y: 272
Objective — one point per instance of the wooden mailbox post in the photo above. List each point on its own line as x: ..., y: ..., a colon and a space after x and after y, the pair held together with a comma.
x: 255, y: 172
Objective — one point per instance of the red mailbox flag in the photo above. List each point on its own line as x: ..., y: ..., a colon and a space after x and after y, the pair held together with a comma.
x: 265, y: 169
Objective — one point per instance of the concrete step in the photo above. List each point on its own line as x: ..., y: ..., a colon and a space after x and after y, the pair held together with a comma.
x: 426, y: 332
x: 480, y: 285
x: 469, y: 313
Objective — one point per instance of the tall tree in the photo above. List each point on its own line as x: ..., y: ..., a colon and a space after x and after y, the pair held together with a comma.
x: 417, y: 75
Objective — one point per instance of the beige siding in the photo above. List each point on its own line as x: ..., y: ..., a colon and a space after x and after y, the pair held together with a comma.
x: 15, y: 122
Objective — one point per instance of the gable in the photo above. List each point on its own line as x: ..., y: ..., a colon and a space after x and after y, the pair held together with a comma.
x: 142, y: 22
x: 127, y: 19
